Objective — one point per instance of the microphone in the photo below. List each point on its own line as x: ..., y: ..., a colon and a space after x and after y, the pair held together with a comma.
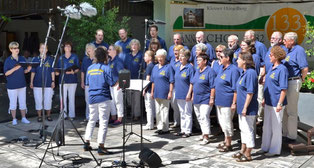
x: 75, y: 12
x: 87, y: 9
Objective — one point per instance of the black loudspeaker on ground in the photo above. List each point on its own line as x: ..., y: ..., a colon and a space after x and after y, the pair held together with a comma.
x: 150, y: 158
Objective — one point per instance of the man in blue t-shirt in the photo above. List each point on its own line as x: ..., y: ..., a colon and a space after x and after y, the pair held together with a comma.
x: 153, y: 31
x: 177, y: 40
x: 123, y: 43
x: 99, y: 37
x: 297, y: 66
x: 235, y: 47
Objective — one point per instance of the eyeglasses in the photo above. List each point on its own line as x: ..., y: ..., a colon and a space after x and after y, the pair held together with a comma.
x: 15, y: 48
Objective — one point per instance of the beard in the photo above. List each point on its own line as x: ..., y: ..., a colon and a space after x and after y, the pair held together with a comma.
x: 234, y: 47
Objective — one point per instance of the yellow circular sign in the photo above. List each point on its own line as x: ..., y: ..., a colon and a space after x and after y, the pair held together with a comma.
x: 287, y: 20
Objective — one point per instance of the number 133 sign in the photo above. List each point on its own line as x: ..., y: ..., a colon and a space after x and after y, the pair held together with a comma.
x: 287, y: 20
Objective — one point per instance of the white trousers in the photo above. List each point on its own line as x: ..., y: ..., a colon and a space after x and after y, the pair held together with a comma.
x: 175, y: 108
x: 290, y: 115
x: 260, y: 97
x: 101, y: 111
x: 225, y: 117
x: 272, y: 130
x: 202, y: 112
x: 69, y: 92
x: 17, y: 95
x: 150, y: 110
x: 117, y: 99
x: 246, y: 124
x: 162, y: 114
x: 48, y: 93
x: 185, y: 108
x: 86, y: 102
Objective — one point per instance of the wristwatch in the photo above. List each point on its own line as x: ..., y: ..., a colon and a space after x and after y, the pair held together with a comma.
x: 280, y: 104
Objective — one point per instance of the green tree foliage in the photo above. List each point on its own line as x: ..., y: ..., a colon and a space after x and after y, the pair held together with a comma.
x: 83, y: 31
x: 309, y: 35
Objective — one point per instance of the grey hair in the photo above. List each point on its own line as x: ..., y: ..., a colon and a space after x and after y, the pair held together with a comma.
x: 161, y: 52
x: 201, y: 46
x: 251, y: 32
x: 234, y: 37
x: 291, y: 36
x: 136, y: 41
x: 89, y: 45
x: 13, y: 44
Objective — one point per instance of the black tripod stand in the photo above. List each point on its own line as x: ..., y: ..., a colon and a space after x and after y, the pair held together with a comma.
x: 59, y: 132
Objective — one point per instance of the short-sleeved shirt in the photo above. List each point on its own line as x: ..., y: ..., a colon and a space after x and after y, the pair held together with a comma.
x: 133, y: 63
x: 47, y: 68
x: 101, y: 44
x: 261, y: 50
x: 162, y: 77
x: 295, y: 61
x: 183, y: 78
x: 125, y: 47
x: 116, y: 65
x: 257, y: 63
x: 247, y: 84
x: 203, y: 82
x: 216, y: 66
x: 99, y: 80
x: 170, y: 55
x: 148, y: 72
x: 69, y: 62
x: 210, y: 52
x: 276, y: 81
x: 85, y: 64
x: 235, y: 56
x: 226, y: 85
x: 161, y: 41
x: 17, y: 79
x: 174, y: 64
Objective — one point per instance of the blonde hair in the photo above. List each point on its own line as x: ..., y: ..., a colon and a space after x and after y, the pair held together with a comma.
x: 135, y: 41
x: 89, y: 45
x: 117, y: 48
x: 13, y: 44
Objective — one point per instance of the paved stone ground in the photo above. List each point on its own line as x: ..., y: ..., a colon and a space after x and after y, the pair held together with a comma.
x: 169, y: 147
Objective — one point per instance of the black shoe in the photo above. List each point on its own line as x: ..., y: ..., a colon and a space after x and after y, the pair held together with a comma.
x: 49, y: 118
x: 158, y: 131
x: 39, y: 119
x: 103, y: 151
x: 163, y: 132
x: 87, y: 147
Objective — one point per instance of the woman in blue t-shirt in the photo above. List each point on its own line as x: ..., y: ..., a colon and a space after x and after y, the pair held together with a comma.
x: 99, y: 80
x: 226, y: 97
x: 16, y: 84
x: 49, y: 82
x: 203, y: 95
x: 183, y: 91
x: 276, y: 85
x: 247, y: 105
x: 87, y: 61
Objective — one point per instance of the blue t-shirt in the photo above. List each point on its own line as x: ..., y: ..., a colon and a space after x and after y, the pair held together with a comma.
x: 17, y: 79
x: 266, y: 59
x: 162, y: 77
x: 174, y: 64
x: 133, y: 63
x: 235, y: 56
x: 116, y: 65
x: 275, y: 81
x: 161, y: 41
x: 125, y: 47
x: 210, y: 52
x: 226, y: 85
x: 203, y: 82
x: 101, y: 44
x: 257, y: 63
x: 247, y: 83
x: 99, y: 80
x: 69, y: 62
x: 171, y: 52
x: 183, y: 78
x: 85, y: 64
x: 261, y: 50
x: 148, y: 72
x: 48, y: 69
x: 216, y: 67
x: 295, y: 61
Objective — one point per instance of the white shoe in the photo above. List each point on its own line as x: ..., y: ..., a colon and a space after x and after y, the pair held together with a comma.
x: 200, y: 138
x: 146, y: 127
x: 14, y: 122
x: 25, y: 121
x: 205, y: 142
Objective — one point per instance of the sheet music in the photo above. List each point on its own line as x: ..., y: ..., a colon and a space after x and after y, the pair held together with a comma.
x: 136, y: 84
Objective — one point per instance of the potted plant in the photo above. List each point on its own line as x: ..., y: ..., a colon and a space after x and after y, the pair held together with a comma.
x: 308, y: 84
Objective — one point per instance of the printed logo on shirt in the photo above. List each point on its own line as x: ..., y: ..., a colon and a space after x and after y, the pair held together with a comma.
x: 136, y: 60
x: 202, y: 77
x: 47, y: 65
x: 71, y: 61
x: 235, y: 56
x: 111, y: 66
x: 177, y: 65
x: 272, y: 75
x: 183, y: 75
x: 241, y: 81
x: 223, y: 77
x: 163, y: 73
x: 95, y: 72
x: 287, y: 58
